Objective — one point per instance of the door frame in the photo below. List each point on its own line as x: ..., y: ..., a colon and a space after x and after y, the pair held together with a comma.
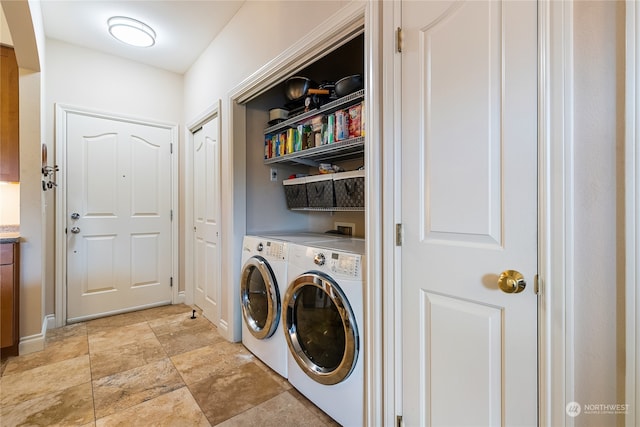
x: 210, y: 113
x: 555, y: 213
x: 632, y: 204
x: 61, y: 113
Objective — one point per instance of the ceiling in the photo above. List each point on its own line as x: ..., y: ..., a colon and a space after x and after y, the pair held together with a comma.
x: 184, y: 28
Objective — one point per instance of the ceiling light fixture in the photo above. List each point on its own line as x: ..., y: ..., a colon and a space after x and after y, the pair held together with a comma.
x: 131, y: 31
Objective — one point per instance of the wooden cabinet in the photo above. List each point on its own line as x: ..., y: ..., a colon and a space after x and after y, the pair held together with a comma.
x: 9, y: 299
x: 9, y: 116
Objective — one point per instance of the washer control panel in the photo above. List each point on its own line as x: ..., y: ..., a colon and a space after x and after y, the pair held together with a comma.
x: 272, y: 249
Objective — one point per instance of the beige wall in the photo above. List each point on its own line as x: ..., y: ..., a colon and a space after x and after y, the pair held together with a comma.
x: 599, y: 206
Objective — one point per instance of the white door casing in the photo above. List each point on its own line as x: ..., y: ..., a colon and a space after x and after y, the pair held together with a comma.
x: 469, y: 212
x: 206, y: 222
x: 119, y: 182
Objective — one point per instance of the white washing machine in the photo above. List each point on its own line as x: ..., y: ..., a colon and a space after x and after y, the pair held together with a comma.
x: 263, y: 281
x: 323, y: 322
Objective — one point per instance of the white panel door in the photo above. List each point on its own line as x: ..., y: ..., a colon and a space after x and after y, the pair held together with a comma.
x: 118, y: 216
x: 469, y: 212
x: 206, y: 195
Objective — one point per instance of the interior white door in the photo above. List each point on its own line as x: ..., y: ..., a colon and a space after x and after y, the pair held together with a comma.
x: 118, y: 216
x: 469, y: 212
x: 206, y: 196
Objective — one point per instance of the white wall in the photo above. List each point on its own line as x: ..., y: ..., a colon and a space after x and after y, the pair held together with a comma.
x: 260, y: 31
x: 599, y: 207
x: 86, y: 78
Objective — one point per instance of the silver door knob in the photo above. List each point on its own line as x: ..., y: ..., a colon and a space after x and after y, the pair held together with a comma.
x: 75, y: 215
x: 319, y: 259
x: 75, y: 230
x: 511, y: 282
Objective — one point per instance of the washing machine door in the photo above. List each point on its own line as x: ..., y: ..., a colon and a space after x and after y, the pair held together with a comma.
x: 260, y: 297
x: 321, y: 329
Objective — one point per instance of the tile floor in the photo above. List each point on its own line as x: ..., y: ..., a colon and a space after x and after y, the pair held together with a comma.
x: 153, y: 367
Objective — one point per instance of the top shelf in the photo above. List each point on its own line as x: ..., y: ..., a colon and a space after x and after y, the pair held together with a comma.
x: 326, y: 108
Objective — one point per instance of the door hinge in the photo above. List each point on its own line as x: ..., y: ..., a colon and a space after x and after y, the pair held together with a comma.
x: 399, y: 40
x: 171, y: 147
x: 398, y: 234
x: 399, y: 421
x: 171, y: 214
x: 171, y: 282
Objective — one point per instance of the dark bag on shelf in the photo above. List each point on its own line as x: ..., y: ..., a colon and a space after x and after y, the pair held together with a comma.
x: 295, y: 191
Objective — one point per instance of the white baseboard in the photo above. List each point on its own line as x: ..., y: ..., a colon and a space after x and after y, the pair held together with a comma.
x: 181, y: 299
x: 34, y: 343
x: 50, y: 320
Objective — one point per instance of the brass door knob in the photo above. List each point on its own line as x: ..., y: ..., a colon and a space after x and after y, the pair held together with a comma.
x: 511, y: 282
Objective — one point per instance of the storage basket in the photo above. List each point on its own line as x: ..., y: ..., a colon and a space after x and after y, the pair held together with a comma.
x: 320, y: 191
x: 295, y: 191
x: 349, y: 189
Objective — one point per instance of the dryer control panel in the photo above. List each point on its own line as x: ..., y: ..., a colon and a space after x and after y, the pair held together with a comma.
x: 345, y: 264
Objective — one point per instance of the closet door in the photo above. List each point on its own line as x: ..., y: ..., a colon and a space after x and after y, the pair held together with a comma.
x: 469, y: 213
x: 206, y: 220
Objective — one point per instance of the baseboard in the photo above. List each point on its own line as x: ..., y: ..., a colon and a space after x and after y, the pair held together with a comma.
x: 34, y: 343
x: 50, y: 320
x: 181, y: 299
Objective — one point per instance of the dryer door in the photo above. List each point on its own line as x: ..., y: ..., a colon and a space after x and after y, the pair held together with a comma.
x: 259, y: 297
x: 321, y: 328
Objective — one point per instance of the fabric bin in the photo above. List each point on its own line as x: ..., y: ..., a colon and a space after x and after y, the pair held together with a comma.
x: 295, y: 191
x: 349, y: 189
x: 320, y: 191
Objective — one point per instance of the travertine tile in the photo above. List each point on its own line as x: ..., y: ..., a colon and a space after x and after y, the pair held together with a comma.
x: 120, y: 358
x: 179, y: 323
x: 273, y: 374
x: 121, y: 363
x: 68, y: 348
x: 125, y: 389
x: 105, y: 339
x: 177, y: 408
x: 200, y: 364
x: 232, y: 392
x: 3, y: 364
x: 116, y: 321
x: 70, y: 331
x: 284, y: 410
x: 168, y: 310
x: 69, y: 407
x: 44, y: 380
x: 183, y: 341
x: 326, y: 419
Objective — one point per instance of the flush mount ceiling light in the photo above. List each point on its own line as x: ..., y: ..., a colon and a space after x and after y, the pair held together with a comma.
x: 131, y: 31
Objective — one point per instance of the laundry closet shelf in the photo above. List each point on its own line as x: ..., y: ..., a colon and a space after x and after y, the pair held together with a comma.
x: 342, y: 150
x: 329, y: 107
x: 332, y: 209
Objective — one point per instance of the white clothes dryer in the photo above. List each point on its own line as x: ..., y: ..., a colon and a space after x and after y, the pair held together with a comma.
x: 302, y: 237
x: 263, y: 282
x: 323, y: 323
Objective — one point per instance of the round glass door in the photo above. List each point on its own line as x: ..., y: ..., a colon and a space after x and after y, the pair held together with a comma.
x: 321, y: 330
x: 259, y: 297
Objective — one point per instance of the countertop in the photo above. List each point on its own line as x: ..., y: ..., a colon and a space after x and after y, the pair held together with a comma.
x: 9, y: 234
